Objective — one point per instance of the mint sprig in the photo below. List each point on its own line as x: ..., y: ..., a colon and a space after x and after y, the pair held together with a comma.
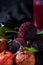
x: 4, y: 30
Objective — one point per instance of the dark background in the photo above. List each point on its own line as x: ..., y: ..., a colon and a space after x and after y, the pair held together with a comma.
x: 16, y: 10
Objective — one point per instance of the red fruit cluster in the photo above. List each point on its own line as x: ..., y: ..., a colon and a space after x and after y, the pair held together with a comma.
x: 27, y: 31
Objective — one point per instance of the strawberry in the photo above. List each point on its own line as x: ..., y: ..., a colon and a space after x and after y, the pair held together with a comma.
x: 2, y: 44
x: 6, y: 58
x: 25, y: 58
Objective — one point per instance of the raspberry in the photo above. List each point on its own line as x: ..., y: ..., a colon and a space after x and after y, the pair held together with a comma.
x: 27, y: 31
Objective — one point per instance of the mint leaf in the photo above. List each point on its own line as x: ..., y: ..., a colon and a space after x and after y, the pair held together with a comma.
x: 31, y: 49
x: 9, y: 30
x: 39, y: 33
x: 2, y: 32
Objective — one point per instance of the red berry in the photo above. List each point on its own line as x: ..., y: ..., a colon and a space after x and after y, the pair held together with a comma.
x: 27, y: 31
x: 15, y: 44
x: 6, y: 58
x: 25, y: 58
x: 20, y: 41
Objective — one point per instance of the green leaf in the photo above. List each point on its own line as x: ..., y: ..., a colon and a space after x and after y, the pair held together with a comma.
x: 40, y: 33
x: 2, y: 32
x: 31, y: 49
x: 9, y: 30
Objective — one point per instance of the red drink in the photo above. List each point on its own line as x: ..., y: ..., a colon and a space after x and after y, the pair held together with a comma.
x: 38, y: 13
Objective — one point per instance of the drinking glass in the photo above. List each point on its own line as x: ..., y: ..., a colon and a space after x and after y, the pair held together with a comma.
x: 38, y: 13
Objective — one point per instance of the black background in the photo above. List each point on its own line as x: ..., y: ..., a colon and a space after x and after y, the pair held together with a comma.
x: 15, y: 10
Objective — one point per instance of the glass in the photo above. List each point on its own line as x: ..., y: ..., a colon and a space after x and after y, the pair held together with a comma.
x: 38, y: 13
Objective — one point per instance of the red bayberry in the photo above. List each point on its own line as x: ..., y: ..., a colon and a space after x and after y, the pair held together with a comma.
x: 20, y: 41
x: 27, y: 31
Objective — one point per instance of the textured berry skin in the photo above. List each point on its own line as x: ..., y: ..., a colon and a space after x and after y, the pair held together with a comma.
x: 15, y: 44
x: 27, y: 31
x: 21, y: 41
x: 26, y: 58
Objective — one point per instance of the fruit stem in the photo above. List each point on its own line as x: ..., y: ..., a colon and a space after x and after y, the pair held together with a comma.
x: 4, y: 51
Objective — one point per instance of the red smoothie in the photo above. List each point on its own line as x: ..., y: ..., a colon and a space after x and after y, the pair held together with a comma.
x: 38, y: 14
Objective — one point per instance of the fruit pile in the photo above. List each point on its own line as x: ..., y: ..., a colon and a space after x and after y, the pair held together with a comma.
x: 18, y: 51
x: 20, y: 58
